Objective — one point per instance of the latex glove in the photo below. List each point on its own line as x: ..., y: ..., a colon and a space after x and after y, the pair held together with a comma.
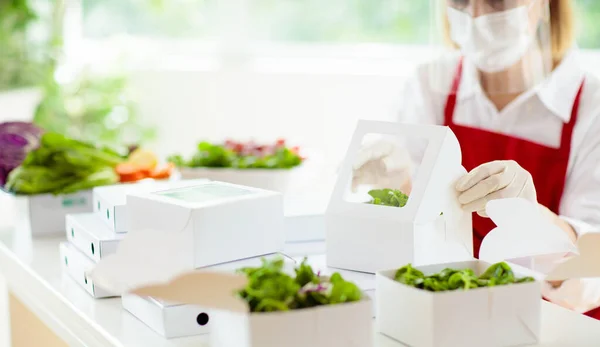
x: 494, y: 180
x: 382, y: 165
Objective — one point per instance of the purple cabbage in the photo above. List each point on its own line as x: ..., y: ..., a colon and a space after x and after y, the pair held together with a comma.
x: 16, y: 140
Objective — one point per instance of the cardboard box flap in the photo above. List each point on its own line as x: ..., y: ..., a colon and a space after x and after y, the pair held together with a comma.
x: 212, y: 290
x: 584, y: 265
x: 522, y: 231
x: 433, y: 184
x: 145, y: 257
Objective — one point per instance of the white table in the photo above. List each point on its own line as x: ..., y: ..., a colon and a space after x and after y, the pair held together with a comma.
x: 39, y: 289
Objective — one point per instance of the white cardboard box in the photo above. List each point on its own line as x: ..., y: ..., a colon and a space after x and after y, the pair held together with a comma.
x: 167, y: 319
x: 324, y: 326
x: 179, y: 320
x: 110, y: 201
x: 368, y: 238
x: 91, y: 236
x: 47, y: 212
x: 77, y: 265
x: 500, y: 316
x: 217, y: 222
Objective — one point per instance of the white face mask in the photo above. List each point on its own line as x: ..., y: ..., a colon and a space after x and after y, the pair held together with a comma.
x: 494, y: 42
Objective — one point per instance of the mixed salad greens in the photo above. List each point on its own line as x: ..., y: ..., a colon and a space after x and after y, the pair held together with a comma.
x: 270, y: 289
x: 61, y: 165
x: 388, y: 197
x: 465, y: 279
x: 241, y: 156
x: 36, y: 162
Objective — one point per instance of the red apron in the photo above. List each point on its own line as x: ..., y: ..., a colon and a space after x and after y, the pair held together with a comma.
x: 547, y: 165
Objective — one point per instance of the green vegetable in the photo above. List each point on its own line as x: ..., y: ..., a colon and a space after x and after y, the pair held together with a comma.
x: 240, y: 156
x: 388, y: 197
x: 451, y: 279
x: 271, y: 289
x: 62, y: 165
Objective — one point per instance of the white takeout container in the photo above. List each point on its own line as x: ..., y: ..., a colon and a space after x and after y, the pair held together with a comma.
x: 270, y: 179
x: 91, y: 236
x: 167, y: 319
x: 172, y: 320
x: 364, y: 237
x: 77, y: 265
x: 348, y: 324
x: 110, y: 201
x: 217, y: 222
x: 47, y: 212
x: 503, y: 316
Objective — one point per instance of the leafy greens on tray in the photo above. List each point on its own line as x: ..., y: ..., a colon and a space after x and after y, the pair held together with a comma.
x: 61, y: 165
x: 270, y: 289
x: 241, y: 156
x: 452, y: 279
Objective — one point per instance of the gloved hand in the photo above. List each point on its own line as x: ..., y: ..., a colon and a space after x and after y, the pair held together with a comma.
x: 383, y: 164
x: 494, y: 180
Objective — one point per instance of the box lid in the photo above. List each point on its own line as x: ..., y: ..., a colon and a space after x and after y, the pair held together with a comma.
x: 433, y: 184
x: 523, y: 231
x: 116, y: 195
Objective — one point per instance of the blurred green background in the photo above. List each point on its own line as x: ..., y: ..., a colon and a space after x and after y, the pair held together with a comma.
x: 79, y: 102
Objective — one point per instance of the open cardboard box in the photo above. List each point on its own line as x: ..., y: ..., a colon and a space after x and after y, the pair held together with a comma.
x: 507, y: 315
x: 173, y: 320
x: 132, y: 270
x: 109, y: 202
x: 47, y: 212
x: 364, y: 237
x: 214, y: 222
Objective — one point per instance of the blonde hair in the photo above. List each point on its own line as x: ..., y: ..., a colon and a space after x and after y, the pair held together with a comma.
x: 562, y: 28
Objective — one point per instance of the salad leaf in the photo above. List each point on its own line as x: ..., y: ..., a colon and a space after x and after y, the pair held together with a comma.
x: 452, y: 279
x: 270, y: 289
x: 388, y: 197
x: 62, y: 165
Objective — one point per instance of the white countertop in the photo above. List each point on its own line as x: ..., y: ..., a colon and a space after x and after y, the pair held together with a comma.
x: 33, y: 271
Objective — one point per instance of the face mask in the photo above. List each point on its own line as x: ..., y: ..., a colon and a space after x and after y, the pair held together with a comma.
x: 494, y: 42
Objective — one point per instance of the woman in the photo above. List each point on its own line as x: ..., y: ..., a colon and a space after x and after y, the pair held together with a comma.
x: 526, y: 116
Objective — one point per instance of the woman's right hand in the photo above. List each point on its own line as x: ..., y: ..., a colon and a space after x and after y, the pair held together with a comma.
x: 383, y: 164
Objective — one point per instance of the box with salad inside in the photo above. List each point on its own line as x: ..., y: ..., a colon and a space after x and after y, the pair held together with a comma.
x: 269, y: 167
x: 386, y: 227
x: 439, y: 303
x: 307, y: 309
x: 55, y: 174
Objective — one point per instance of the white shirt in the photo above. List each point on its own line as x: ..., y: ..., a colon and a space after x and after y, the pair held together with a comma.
x: 537, y: 115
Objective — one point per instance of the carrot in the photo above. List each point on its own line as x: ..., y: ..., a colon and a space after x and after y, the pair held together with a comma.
x: 133, y: 177
x: 126, y: 169
x: 162, y: 173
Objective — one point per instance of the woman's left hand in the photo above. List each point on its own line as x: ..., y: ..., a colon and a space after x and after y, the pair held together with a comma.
x: 494, y: 180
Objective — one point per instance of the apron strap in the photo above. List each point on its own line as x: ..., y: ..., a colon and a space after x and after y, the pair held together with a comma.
x: 451, y: 101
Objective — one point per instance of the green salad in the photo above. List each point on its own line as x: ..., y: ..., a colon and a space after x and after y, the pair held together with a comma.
x: 388, y: 197
x: 453, y: 279
x: 241, y: 156
x: 61, y: 165
x: 270, y: 289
